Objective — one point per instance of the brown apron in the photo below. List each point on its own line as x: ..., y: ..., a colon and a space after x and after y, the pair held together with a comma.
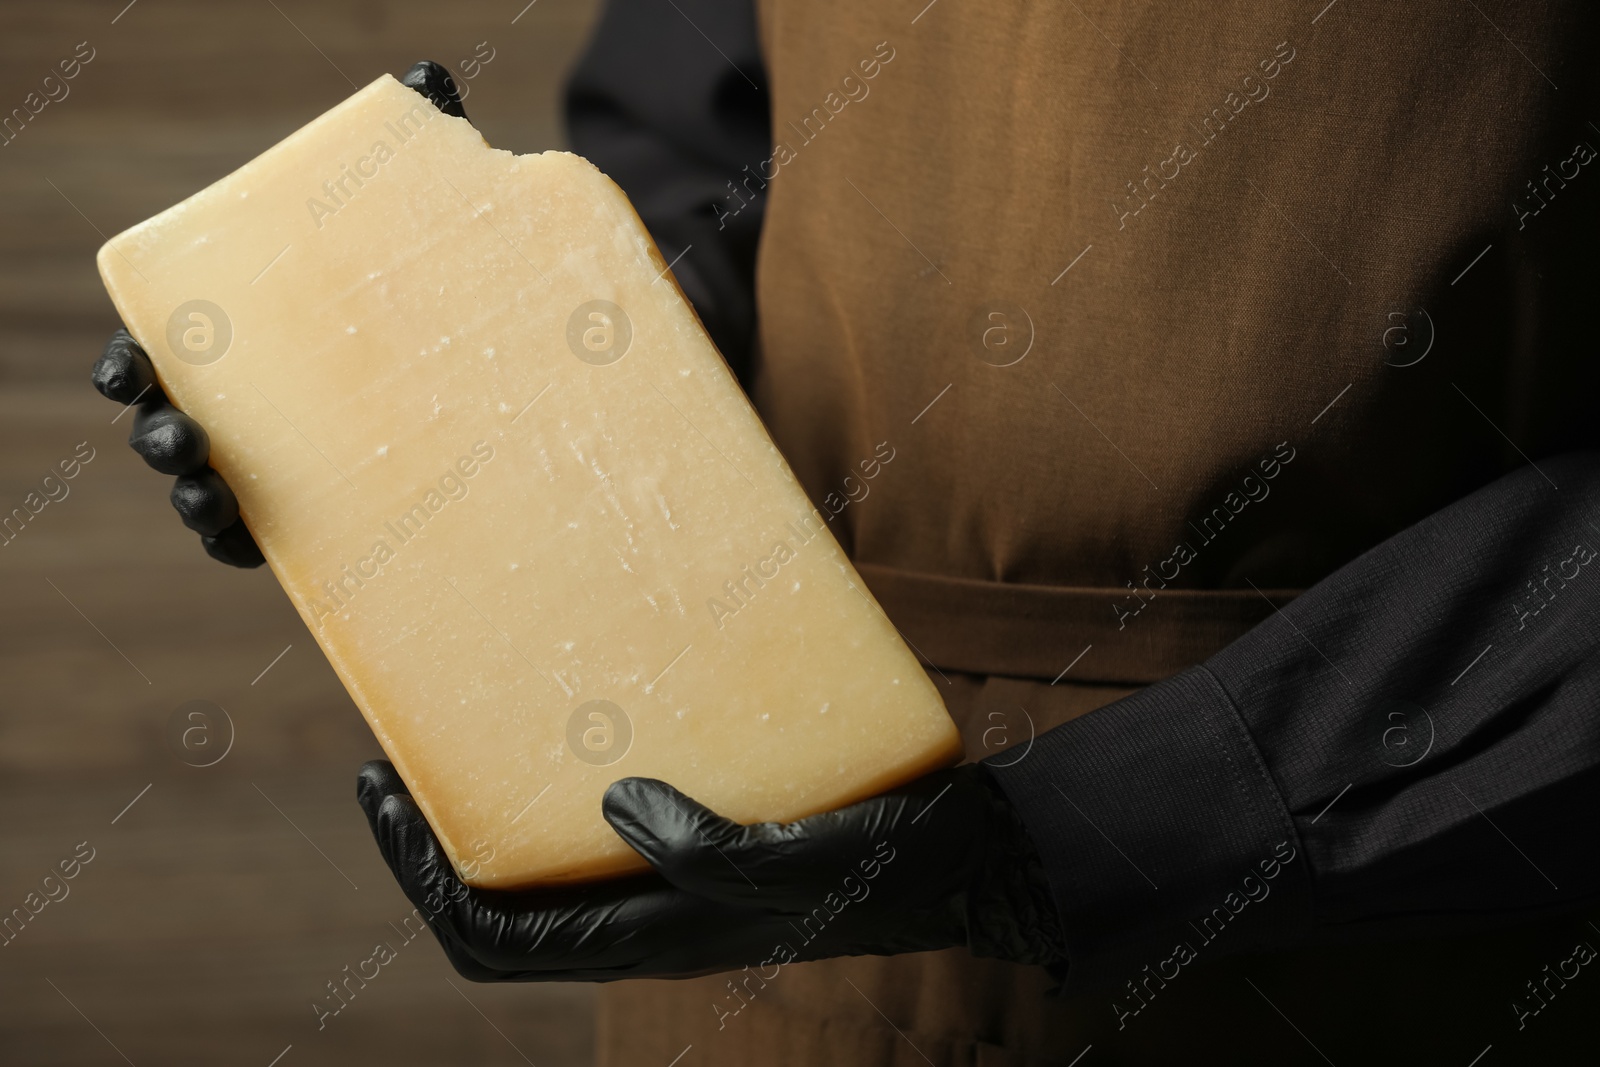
x: 1162, y: 312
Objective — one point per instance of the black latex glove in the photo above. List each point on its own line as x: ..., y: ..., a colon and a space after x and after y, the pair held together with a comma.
x: 172, y: 442
x: 942, y: 862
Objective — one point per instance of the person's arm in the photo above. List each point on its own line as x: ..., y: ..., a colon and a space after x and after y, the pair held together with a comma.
x: 670, y: 101
x: 1411, y: 747
x: 1404, y: 750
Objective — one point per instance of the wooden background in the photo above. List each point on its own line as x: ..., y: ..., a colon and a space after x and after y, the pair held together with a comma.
x: 208, y: 921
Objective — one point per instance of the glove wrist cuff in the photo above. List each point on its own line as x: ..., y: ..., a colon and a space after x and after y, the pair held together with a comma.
x: 1011, y: 911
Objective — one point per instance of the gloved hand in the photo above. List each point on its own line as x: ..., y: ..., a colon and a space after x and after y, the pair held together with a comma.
x: 172, y: 442
x: 942, y: 862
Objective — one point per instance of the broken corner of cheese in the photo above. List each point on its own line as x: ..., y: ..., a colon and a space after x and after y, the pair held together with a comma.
x: 515, y: 493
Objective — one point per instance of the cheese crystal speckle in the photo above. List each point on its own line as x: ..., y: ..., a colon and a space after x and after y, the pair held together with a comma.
x: 514, y: 492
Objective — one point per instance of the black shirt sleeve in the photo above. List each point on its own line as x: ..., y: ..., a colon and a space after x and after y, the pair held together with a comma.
x: 1411, y: 747
x: 670, y: 100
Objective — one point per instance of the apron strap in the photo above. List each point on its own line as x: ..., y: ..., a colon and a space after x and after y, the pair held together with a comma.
x: 1037, y: 631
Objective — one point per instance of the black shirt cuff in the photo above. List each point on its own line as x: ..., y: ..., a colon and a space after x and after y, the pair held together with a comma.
x: 1161, y: 832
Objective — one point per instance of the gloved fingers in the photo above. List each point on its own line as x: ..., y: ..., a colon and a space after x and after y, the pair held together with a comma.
x: 434, y: 82
x: 483, y: 938
x: 631, y: 928
x: 170, y: 441
x: 173, y: 443
x: 701, y: 852
x: 376, y: 780
x: 234, y: 546
x: 415, y: 857
x: 639, y: 927
x: 123, y: 372
x: 466, y: 965
x: 204, y: 502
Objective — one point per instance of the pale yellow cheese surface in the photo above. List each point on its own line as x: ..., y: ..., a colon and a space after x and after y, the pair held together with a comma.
x: 490, y: 514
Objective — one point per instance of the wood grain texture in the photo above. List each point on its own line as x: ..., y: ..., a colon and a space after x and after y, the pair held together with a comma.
x: 209, y: 920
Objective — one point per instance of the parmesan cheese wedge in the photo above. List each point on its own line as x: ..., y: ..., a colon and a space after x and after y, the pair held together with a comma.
x: 515, y: 493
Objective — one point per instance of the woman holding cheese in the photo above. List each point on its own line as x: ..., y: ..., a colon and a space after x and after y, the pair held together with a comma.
x: 1238, y: 395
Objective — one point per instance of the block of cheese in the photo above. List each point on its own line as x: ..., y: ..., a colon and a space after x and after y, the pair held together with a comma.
x: 514, y: 492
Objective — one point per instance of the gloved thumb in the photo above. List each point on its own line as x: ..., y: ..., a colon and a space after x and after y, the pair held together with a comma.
x: 434, y: 82
x: 687, y: 843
